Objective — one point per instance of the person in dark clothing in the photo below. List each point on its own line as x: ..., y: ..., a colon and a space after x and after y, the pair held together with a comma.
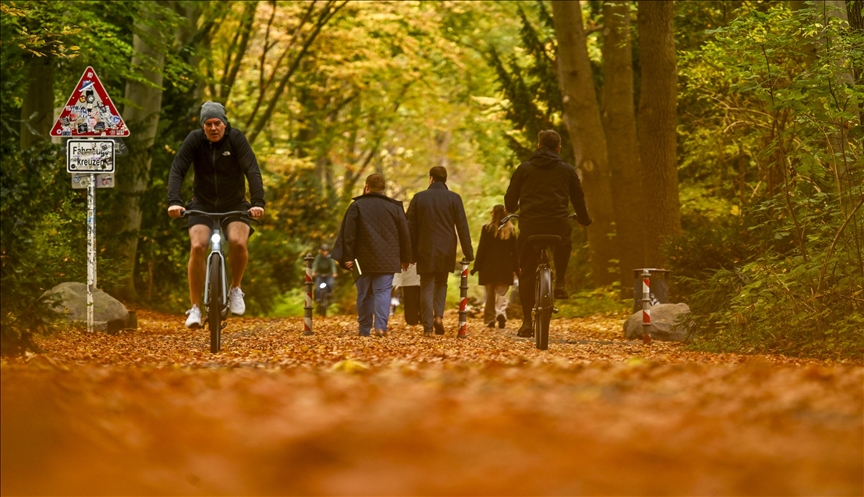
x: 498, y: 263
x: 324, y: 269
x: 541, y: 190
x: 374, y: 238
x: 432, y: 216
x: 223, y: 161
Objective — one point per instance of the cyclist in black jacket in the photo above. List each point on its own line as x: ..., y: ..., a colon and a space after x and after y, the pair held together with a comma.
x: 541, y: 190
x: 223, y: 161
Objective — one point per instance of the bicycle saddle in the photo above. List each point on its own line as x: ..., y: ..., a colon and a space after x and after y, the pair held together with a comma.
x: 548, y: 240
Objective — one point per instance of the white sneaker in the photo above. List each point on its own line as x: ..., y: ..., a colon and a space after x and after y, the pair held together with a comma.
x: 194, y: 319
x: 235, y: 301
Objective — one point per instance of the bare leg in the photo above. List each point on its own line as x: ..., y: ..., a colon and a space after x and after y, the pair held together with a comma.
x: 238, y: 239
x: 199, y: 235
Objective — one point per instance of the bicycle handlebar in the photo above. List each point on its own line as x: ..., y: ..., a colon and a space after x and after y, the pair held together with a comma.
x: 510, y: 216
x: 192, y: 212
x: 507, y: 218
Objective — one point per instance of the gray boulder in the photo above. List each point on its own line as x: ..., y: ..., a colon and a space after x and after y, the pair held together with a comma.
x: 663, y: 327
x: 109, y: 314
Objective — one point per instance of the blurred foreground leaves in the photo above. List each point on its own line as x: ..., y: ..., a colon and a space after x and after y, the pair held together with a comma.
x: 153, y: 412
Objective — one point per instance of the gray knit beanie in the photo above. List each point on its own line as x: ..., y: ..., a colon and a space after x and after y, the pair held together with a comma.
x: 213, y: 109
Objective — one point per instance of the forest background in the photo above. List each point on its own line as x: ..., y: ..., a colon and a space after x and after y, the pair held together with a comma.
x: 718, y: 139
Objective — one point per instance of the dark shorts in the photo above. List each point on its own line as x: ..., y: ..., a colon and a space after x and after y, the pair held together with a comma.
x: 240, y: 206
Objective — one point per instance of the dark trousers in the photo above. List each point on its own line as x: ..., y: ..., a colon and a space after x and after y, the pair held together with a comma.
x: 529, y: 259
x: 433, y: 294
x: 411, y: 304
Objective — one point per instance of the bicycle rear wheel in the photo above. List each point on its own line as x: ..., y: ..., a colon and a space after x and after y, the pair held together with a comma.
x: 214, y: 312
x: 543, y: 314
x: 541, y: 328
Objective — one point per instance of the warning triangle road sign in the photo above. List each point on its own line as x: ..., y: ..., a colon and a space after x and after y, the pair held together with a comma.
x: 89, y: 111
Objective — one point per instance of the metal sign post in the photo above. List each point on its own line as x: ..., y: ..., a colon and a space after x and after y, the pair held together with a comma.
x: 91, y: 248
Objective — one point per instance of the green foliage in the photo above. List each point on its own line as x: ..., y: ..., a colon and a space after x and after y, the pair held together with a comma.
x: 42, y: 228
x: 529, y: 82
x: 777, y: 97
x: 598, y: 301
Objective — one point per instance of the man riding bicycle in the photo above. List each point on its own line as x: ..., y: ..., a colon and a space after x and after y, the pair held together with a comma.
x: 222, y: 157
x: 541, y: 189
x: 323, y: 269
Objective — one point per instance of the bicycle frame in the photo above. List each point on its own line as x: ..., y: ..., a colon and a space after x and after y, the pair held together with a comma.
x: 544, y: 280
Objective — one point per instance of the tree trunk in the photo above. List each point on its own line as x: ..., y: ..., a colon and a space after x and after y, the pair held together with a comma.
x: 582, y: 115
x: 619, y: 120
x: 855, y: 12
x: 657, y: 120
x: 142, y: 116
x: 37, y: 109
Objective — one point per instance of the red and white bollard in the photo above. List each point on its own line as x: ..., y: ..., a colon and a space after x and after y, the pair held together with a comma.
x: 307, y: 325
x: 463, y: 302
x: 646, y: 305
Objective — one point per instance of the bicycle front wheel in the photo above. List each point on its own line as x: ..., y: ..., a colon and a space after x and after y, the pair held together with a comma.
x: 214, y: 312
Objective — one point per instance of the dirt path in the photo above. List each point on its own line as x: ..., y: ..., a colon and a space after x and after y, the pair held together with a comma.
x: 153, y: 412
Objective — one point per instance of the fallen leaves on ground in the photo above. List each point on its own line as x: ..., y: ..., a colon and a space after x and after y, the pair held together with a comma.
x: 153, y: 411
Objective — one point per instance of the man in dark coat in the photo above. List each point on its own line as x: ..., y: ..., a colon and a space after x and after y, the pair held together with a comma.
x: 375, y: 242
x: 542, y: 190
x: 435, y: 217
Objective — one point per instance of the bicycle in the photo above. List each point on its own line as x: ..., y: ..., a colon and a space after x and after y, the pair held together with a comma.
x: 544, y: 293
x: 322, y: 296
x: 215, y: 298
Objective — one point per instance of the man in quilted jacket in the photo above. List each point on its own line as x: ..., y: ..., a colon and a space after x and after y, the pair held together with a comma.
x: 374, y: 243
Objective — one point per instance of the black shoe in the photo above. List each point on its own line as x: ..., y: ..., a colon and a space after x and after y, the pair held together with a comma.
x: 427, y: 333
x: 526, y: 331
x: 438, y: 324
x: 501, y: 321
x: 561, y: 293
x: 491, y: 324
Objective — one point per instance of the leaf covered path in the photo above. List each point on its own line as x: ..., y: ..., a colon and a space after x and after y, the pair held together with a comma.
x: 152, y: 411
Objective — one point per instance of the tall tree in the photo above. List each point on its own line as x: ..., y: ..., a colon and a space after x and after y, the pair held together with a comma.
x: 37, y: 109
x: 657, y: 120
x: 582, y: 115
x: 855, y: 12
x: 619, y: 122
x: 142, y: 115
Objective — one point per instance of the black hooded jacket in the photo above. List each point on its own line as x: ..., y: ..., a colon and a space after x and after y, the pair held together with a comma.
x: 221, y: 169
x: 540, y: 190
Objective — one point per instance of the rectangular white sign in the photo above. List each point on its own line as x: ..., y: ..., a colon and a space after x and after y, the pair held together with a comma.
x: 89, y: 156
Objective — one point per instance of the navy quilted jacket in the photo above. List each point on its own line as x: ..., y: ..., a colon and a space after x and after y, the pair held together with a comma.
x: 435, y: 216
x: 375, y: 232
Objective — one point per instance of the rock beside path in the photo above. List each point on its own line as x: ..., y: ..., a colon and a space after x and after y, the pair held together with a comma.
x: 663, y: 327
x: 109, y: 314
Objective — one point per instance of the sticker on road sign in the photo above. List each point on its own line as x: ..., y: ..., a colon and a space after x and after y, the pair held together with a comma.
x: 90, y: 156
x: 89, y: 111
x: 81, y: 181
